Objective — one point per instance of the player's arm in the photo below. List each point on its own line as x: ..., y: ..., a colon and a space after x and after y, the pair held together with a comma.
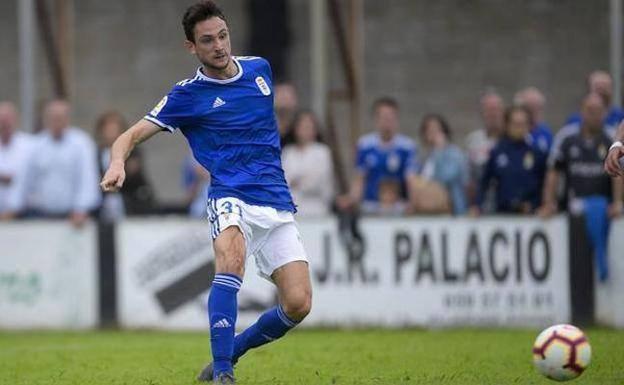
x: 353, y: 197
x: 549, y: 194
x: 483, y: 185
x: 122, y: 147
x: 612, y: 162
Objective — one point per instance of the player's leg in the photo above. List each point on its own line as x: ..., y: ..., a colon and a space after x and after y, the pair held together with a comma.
x: 295, y: 294
x: 293, y: 282
x: 283, y: 258
x: 229, y: 248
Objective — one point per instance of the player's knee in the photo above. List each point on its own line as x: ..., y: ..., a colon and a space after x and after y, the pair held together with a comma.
x: 298, y: 305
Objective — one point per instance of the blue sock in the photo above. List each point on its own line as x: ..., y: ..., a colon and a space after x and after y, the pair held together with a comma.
x: 222, y: 308
x: 271, y: 325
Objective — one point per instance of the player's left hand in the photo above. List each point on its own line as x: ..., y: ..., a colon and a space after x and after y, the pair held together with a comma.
x: 612, y: 162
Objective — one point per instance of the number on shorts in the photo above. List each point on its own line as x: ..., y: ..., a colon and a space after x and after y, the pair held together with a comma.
x: 229, y: 207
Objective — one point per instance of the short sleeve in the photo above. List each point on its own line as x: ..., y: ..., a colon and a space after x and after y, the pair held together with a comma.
x: 558, y: 159
x: 173, y: 111
x: 268, y: 70
x: 360, y: 159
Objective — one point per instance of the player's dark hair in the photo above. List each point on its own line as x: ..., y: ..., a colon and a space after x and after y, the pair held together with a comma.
x: 446, y: 128
x: 198, y: 12
x: 386, y: 101
x: 513, y: 109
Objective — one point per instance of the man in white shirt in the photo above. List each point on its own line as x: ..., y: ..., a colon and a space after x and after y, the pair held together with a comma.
x: 15, y: 148
x: 63, y: 171
x: 481, y: 141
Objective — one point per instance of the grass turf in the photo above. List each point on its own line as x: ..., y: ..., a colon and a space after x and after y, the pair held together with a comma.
x: 304, y: 357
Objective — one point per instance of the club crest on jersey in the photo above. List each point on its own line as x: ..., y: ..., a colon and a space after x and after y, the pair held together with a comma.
x: 602, y: 151
x: 528, y: 161
x: 263, y: 86
x: 159, y: 107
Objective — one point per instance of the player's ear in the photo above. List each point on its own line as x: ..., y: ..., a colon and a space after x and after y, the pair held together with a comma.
x: 190, y: 46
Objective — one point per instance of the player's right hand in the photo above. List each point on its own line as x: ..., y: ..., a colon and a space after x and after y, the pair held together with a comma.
x: 113, y: 178
x: 612, y: 162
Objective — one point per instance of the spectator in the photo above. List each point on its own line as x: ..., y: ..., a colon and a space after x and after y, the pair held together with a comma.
x: 390, y: 201
x: 592, y: 198
x: 601, y: 83
x: 15, y: 148
x: 445, y: 163
x: 286, y: 106
x: 137, y: 194
x: 571, y: 129
x: 63, y: 173
x: 533, y: 99
x: 308, y: 167
x: 579, y: 159
x: 516, y: 166
x: 381, y: 155
x: 196, y: 182
x: 481, y: 141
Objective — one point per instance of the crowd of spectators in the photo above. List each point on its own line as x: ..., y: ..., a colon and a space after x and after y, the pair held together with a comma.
x: 513, y: 164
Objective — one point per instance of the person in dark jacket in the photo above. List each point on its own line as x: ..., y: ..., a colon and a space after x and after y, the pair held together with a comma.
x: 516, y: 166
x: 137, y: 196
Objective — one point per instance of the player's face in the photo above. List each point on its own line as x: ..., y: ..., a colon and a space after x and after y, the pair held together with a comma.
x: 212, y: 43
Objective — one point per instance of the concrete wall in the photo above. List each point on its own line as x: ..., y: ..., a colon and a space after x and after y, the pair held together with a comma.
x: 431, y: 55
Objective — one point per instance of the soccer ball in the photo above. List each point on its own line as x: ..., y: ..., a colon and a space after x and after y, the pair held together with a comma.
x: 561, y: 352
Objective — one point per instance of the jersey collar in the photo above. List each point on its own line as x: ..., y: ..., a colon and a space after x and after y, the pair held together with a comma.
x: 201, y: 76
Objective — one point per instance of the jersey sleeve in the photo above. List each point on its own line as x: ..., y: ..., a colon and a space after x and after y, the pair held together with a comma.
x: 267, y: 68
x: 360, y: 159
x: 558, y: 159
x: 173, y: 111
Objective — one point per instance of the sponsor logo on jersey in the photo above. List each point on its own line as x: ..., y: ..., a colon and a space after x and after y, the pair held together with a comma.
x: 602, y: 151
x: 159, y: 107
x: 528, y: 161
x: 218, y: 102
x: 393, y: 162
x: 263, y: 86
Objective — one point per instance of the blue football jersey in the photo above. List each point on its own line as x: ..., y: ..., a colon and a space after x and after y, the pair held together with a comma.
x: 232, y: 131
x: 378, y: 161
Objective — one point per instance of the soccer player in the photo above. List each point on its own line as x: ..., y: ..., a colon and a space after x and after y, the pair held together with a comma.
x: 226, y: 113
x: 612, y: 163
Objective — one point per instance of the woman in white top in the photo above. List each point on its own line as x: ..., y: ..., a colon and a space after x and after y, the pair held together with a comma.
x: 308, y: 167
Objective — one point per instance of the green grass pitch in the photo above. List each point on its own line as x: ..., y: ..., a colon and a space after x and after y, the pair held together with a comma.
x: 304, y: 357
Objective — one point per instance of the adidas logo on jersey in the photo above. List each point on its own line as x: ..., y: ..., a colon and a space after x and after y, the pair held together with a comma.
x: 218, y: 102
x: 223, y: 323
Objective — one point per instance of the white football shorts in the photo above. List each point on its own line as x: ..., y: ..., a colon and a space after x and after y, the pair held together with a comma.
x: 271, y: 235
